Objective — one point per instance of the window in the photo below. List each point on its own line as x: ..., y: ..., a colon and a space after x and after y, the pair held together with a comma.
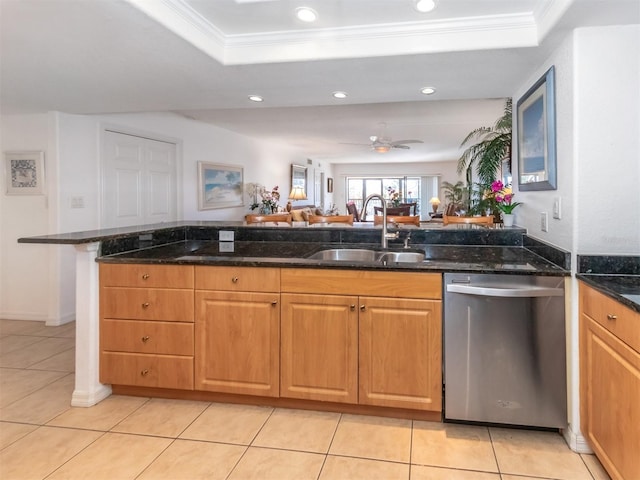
x: 412, y: 189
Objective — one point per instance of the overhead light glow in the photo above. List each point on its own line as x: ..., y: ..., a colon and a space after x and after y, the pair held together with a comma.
x: 428, y: 90
x: 306, y: 14
x: 340, y: 94
x: 424, y: 6
x: 256, y: 98
x: 382, y: 148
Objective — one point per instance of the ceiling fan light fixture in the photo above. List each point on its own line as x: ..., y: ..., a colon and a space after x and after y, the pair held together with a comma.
x: 339, y: 94
x: 382, y: 148
x: 427, y: 90
x: 256, y: 98
x: 424, y: 6
x: 306, y: 14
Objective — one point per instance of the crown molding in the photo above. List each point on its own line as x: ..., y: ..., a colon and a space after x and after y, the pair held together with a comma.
x: 461, y: 34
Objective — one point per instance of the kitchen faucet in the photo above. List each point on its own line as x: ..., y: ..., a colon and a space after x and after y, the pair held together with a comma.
x: 385, y: 235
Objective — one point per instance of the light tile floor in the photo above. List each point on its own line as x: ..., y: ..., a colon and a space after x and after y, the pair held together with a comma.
x: 43, y: 437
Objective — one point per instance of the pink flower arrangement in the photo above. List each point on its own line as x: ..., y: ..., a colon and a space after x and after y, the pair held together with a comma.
x: 503, y: 197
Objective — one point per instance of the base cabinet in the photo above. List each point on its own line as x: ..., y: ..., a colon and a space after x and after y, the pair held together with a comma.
x: 237, y: 331
x: 610, y: 382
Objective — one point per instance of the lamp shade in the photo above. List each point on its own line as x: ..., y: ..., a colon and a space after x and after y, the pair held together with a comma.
x: 297, y: 193
x: 434, y: 201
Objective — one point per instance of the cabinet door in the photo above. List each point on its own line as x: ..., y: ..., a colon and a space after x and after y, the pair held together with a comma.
x: 401, y: 353
x: 237, y: 340
x: 611, y: 399
x: 319, y: 348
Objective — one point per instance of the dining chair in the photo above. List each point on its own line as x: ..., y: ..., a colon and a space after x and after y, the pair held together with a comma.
x: 353, y: 210
x: 331, y: 219
x: 488, y: 220
x: 398, y: 219
x: 404, y: 210
x: 272, y: 218
x: 413, y: 207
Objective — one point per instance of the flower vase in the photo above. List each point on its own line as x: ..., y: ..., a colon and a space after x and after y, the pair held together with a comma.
x: 507, y: 219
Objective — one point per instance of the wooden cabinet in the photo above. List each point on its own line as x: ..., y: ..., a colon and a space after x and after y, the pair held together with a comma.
x: 393, y: 321
x: 237, y: 330
x: 610, y: 382
x: 146, y: 325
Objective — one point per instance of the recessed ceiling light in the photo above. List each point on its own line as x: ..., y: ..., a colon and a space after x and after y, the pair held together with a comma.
x: 306, y: 14
x: 256, y: 98
x: 424, y: 6
x: 340, y: 94
x: 428, y: 90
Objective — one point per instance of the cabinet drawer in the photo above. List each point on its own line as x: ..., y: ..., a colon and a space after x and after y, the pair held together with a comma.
x: 162, y: 371
x: 138, y: 275
x: 238, y: 279
x: 146, y: 304
x: 136, y: 336
x: 620, y: 320
x: 358, y: 282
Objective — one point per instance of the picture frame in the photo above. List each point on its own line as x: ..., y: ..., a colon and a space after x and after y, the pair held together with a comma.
x: 25, y: 173
x: 536, y: 121
x: 299, y: 177
x: 330, y: 185
x: 220, y: 186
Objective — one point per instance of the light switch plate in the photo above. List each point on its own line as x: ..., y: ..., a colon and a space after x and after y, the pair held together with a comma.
x: 557, y: 208
x: 225, y: 235
x: 544, y: 221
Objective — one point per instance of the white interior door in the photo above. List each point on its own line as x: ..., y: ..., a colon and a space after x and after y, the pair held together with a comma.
x: 139, y: 181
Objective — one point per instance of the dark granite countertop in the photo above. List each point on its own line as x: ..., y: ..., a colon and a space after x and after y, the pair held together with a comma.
x: 458, y: 258
x: 623, y: 288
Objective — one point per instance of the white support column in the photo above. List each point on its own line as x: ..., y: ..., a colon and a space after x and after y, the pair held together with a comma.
x: 88, y: 389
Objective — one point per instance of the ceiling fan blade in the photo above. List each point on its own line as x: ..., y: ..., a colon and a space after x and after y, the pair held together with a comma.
x: 406, y: 147
x: 359, y: 144
x: 400, y: 142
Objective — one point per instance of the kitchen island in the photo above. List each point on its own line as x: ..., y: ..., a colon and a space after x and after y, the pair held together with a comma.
x: 197, y: 245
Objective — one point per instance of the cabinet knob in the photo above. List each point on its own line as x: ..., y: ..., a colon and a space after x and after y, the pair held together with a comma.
x: 145, y: 339
x: 144, y: 372
x: 274, y: 303
x: 145, y: 305
x: 362, y: 308
x: 234, y: 279
x: 352, y: 307
x: 145, y: 276
x: 611, y: 316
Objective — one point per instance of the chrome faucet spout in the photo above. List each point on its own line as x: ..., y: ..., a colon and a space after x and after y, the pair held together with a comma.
x: 384, y: 241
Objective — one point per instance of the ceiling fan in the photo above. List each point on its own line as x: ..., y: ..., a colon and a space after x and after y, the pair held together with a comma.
x: 382, y: 144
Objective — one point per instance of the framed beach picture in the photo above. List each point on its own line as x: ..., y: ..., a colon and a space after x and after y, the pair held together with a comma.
x: 25, y: 173
x: 537, y: 135
x: 219, y: 186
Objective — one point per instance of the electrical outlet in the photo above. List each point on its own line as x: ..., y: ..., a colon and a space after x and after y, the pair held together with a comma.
x: 226, y: 246
x: 77, y: 202
x: 544, y: 221
x: 225, y: 235
x: 557, y: 208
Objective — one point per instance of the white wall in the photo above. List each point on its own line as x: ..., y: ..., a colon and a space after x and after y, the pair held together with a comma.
x: 37, y: 281
x: 598, y: 154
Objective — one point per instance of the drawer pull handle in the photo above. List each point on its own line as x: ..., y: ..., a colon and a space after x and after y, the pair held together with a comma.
x: 362, y: 308
x: 144, y: 372
x: 145, y: 305
x: 611, y: 316
x: 145, y: 339
x: 145, y: 276
x: 234, y: 279
x: 274, y: 303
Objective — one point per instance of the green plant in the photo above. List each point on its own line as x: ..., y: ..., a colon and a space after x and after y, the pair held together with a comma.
x: 503, y: 197
x: 455, y: 193
x: 486, y: 156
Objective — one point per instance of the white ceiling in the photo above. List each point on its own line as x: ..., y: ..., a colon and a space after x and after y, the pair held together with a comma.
x: 202, y: 58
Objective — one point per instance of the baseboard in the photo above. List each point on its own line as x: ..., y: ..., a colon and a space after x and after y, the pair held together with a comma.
x: 56, y: 322
x: 82, y: 398
x: 576, y: 441
x: 39, y: 317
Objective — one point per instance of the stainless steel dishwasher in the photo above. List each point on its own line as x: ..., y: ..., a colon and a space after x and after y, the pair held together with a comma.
x: 504, y: 349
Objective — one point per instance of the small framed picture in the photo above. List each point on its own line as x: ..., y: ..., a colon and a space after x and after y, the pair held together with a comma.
x: 330, y: 185
x: 219, y: 186
x: 25, y: 173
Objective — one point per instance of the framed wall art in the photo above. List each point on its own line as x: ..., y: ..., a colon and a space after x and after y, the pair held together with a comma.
x: 299, y: 177
x: 25, y: 173
x: 537, y: 135
x: 219, y: 186
x: 330, y: 185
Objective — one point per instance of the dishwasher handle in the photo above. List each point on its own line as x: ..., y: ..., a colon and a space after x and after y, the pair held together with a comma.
x: 507, y: 292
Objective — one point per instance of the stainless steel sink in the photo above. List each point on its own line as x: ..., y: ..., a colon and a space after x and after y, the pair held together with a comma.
x: 367, y: 256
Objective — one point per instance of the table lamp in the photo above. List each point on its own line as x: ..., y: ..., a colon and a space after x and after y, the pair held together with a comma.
x: 435, y: 203
x: 297, y: 193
